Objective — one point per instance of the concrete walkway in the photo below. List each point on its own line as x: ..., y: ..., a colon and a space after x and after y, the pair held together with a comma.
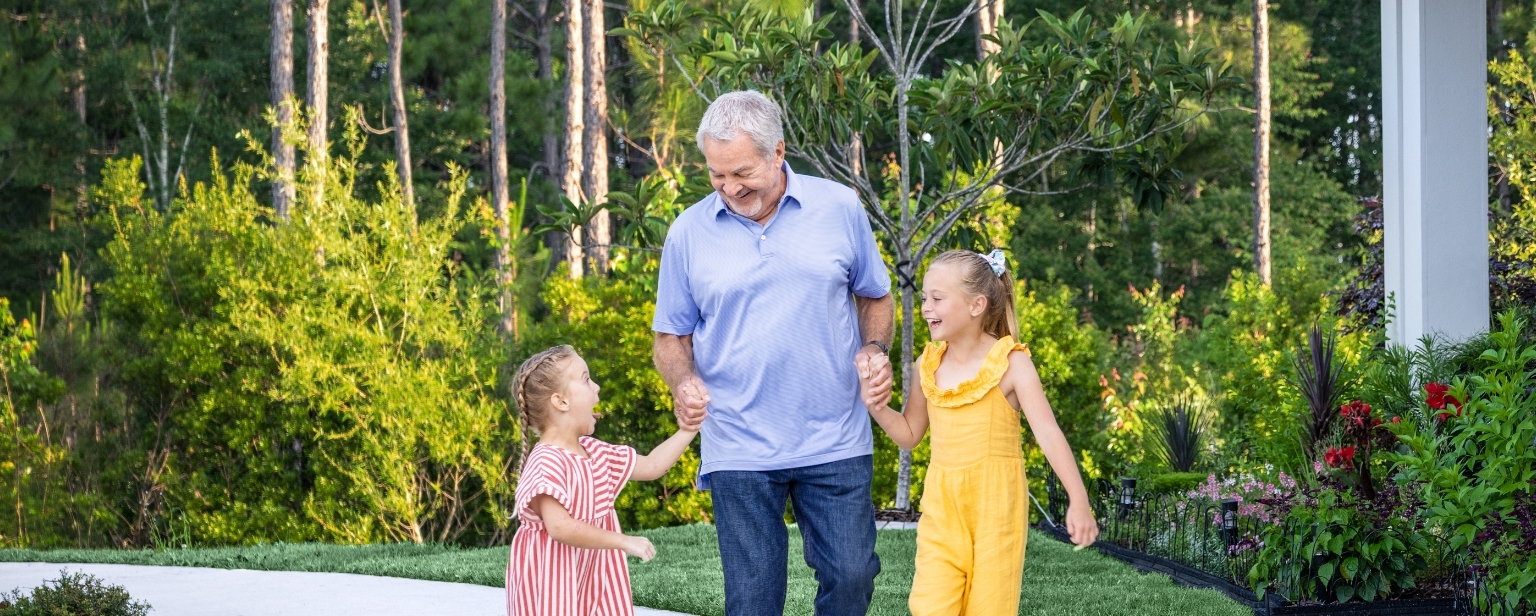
x: 195, y: 591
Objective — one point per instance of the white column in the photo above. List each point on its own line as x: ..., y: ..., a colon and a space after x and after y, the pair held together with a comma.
x: 1435, y: 153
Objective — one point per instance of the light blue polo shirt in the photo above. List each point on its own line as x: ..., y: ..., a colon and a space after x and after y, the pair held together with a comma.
x: 774, y: 324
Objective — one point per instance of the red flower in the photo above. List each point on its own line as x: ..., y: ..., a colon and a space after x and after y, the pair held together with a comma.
x: 1396, y: 419
x: 1357, y: 413
x: 1435, y: 395
x: 1442, y: 417
x: 1336, y: 457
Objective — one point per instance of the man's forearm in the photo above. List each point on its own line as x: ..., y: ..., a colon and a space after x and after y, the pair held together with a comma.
x: 674, y: 358
x: 877, y: 318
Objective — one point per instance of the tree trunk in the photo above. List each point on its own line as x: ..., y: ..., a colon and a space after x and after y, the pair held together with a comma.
x: 544, y: 53
x: 1496, y: 47
x: 988, y: 15
x: 316, y: 96
x: 397, y: 101
x: 856, y: 143
x: 282, y: 103
x: 908, y: 329
x: 905, y: 268
x: 594, y: 181
x: 1261, y: 260
x: 499, y: 190
x: 575, y: 124
x: 78, y: 94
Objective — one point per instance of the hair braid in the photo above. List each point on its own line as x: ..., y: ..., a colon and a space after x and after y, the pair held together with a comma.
x: 536, y: 380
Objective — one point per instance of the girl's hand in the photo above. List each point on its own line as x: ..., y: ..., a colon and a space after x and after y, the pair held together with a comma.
x: 1081, y: 526
x: 641, y: 548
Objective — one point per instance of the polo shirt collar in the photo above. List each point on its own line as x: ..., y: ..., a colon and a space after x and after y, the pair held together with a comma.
x: 792, y: 188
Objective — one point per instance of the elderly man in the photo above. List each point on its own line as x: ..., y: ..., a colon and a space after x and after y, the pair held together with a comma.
x: 771, y: 289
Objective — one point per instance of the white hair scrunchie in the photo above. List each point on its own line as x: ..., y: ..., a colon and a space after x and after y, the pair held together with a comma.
x: 996, y: 260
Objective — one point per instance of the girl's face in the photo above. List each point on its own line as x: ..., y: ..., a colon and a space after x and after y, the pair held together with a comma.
x: 949, y: 310
x: 580, y: 396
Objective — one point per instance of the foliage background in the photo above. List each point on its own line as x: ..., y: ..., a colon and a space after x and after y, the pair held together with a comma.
x: 193, y: 373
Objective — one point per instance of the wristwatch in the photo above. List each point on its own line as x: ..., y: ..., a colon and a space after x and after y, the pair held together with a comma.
x: 884, y: 348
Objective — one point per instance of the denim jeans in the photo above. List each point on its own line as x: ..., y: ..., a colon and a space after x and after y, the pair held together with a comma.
x: 837, y: 521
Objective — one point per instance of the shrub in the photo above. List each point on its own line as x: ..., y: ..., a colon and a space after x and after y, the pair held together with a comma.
x: 1470, y: 453
x: 1342, y: 537
x: 331, y: 377
x: 1168, y: 483
x: 73, y: 594
x: 1334, y: 545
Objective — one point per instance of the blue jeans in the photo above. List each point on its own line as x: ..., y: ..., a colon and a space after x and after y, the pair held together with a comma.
x: 836, y: 518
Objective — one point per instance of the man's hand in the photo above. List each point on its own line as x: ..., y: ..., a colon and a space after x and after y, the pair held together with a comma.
x: 874, y: 376
x: 690, y: 402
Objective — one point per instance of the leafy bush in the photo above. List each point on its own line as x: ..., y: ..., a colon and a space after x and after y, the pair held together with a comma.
x: 1470, y: 453
x: 25, y: 456
x: 1342, y: 537
x: 73, y: 594
x: 1334, y: 545
x: 1176, y: 482
x: 330, y: 377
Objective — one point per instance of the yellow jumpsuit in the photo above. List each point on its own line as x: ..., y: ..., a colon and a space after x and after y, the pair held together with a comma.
x: 970, y: 540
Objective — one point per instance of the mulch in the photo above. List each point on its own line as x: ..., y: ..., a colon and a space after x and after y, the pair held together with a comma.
x: 897, y: 515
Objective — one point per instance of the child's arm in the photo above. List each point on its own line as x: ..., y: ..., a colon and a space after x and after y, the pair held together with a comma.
x: 906, y: 429
x: 656, y: 464
x: 578, y: 534
x: 1024, y: 382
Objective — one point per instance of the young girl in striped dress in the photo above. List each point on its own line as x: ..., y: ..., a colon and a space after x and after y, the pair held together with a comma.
x: 970, y: 385
x: 568, y: 554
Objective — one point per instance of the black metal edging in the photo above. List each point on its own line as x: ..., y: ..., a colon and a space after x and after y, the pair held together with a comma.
x: 1272, y: 604
x: 1183, y: 574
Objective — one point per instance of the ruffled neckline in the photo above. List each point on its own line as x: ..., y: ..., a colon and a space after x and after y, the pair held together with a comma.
x: 971, y: 390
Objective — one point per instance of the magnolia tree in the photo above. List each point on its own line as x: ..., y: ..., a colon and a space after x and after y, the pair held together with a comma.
x: 1072, y: 104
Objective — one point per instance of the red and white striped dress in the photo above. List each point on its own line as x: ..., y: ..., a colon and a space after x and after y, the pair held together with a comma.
x: 548, y: 578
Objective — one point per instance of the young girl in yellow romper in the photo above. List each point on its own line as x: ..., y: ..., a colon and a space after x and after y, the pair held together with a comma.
x: 972, y: 380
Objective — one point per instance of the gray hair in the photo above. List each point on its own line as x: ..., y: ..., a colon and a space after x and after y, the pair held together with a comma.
x: 747, y: 111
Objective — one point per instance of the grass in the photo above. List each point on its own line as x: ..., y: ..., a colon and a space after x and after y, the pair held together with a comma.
x: 685, y: 575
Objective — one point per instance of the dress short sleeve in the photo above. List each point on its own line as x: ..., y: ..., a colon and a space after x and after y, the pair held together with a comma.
x: 617, y: 462
x: 611, y: 467
x: 543, y: 474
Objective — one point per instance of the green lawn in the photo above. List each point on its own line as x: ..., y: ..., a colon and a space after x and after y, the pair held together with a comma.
x: 685, y: 575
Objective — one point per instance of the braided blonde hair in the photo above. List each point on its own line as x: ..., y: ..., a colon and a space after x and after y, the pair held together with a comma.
x: 976, y: 278
x: 537, y: 379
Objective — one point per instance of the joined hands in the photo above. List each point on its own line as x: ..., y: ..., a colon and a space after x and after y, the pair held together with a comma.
x: 690, y: 403
x: 874, y: 377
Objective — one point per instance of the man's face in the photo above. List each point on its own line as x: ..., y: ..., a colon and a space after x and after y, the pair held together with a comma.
x: 749, y: 182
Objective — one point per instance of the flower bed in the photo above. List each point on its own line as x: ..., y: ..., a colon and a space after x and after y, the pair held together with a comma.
x: 1212, y: 537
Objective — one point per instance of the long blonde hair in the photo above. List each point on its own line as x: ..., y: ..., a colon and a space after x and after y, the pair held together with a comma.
x: 977, y: 278
x: 537, y: 379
